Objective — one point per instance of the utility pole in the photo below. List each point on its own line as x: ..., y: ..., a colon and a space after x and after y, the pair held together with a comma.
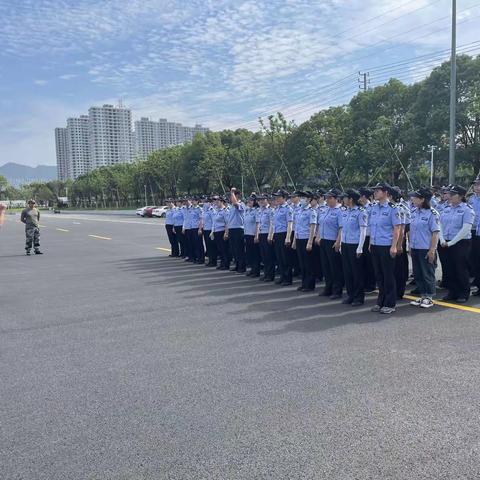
x: 432, y: 148
x: 363, y: 81
x: 453, y: 96
x: 146, y: 201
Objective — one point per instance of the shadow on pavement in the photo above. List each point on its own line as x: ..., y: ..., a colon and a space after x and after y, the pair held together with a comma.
x: 260, y: 302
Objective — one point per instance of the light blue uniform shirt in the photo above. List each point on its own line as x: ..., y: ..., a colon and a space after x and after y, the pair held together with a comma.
x: 169, y: 216
x: 452, y: 219
x: 220, y: 220
x: 281, y: 216
x: 195, y: 216
x: 367, y: 208
x: 330, y: 221
x: 250, y: 220
x: 474, y: 202
x: 423, y: 223
x: 383, y: 217
x: 236, y: 214
x: 207, y: 213
x: 441, y: 206
x: 305, y: 217
x: 296, y: 210
x: 187, y: 217
x: 178, y: 216
x: 353, y: 220
x: 264, y: 218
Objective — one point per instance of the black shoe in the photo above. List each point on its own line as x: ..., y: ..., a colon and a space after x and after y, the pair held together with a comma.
x: 268, y: 280
x: 241, y: 272
x: 285, y: 284
x: 462, y: 300
x: 278, y: 282
x: 308, y: 289
x: 27, y: 252
x: 347, y: 301
x: 262, y: 278
x: 370, y: 290
x: 220, y: 267
x: 226, y: 269
x: 415, y: 291
x: 356, y: 304
x: 255, y: 275
x: 249, y: 274
x: 448, y: 298
x: 300, y: 288
x: 412, y: 282
x: 335, y: 296
x: 38, y: 252
x: 233, y: 269
x: 324, y: 293
x: 476, y: 293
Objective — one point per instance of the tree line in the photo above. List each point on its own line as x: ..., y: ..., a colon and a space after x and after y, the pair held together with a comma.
x: 383, y: 133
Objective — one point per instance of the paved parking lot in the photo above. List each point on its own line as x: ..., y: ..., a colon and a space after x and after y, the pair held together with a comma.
x: 118, y: 362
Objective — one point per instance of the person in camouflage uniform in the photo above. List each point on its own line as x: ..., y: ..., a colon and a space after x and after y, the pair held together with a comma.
x: 31, y: 218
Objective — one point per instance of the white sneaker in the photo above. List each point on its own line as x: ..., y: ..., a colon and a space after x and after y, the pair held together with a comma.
x: 387, y: 310
x: 426, y: 303
x: 417, y: 302
x: 376, y: 308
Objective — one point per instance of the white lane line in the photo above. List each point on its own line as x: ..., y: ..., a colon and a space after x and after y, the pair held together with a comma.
x: 155, y: 223
x: 62, y: 230
x: 76, y: 223
x: 99, y: 237
x: 163, y: 249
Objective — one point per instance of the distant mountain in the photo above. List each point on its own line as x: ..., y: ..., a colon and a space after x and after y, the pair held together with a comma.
x: 19, y: 174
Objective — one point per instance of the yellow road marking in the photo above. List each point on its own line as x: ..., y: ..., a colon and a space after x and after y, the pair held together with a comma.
x: 62, y: 230
x: 163, y: 249
x: 100, y: 238
x: 465, y: 308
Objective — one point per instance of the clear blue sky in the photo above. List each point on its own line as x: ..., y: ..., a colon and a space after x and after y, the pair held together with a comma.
x: 220, y: 63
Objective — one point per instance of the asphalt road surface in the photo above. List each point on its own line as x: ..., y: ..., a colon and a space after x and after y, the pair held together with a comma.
x: 118, y: 362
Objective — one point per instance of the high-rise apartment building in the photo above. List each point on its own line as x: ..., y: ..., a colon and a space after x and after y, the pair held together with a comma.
x: 111, y: 138
x: 62, y: 153
x: 78, y: 154
x: 104, y: 137
x: 151, y: 135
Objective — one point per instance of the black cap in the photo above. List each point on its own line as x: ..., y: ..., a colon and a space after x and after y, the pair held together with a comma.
x: 353, y: 194
x: 367, y: 192
x: 297, y: 193
x: 457, y: 190
x: 446, y: 188
x: 333, y: 192
x: 280, y: 193
x: 422, y: 192
x: 383, y: 186
x: 321, y: 192
x: 253, y: 197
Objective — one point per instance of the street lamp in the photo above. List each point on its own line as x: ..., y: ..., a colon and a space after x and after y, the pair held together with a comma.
x: 453, y: 95
x: 432, y: 148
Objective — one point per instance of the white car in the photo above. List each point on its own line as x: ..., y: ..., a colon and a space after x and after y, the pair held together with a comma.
x: 141, y: 211
x: 159, y: 212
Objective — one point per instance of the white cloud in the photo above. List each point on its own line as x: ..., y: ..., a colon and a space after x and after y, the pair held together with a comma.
x: 67, y: 76
x: 222, y: 62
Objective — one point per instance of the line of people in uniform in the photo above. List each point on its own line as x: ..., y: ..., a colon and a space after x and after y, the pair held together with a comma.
x: 355, y: 241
